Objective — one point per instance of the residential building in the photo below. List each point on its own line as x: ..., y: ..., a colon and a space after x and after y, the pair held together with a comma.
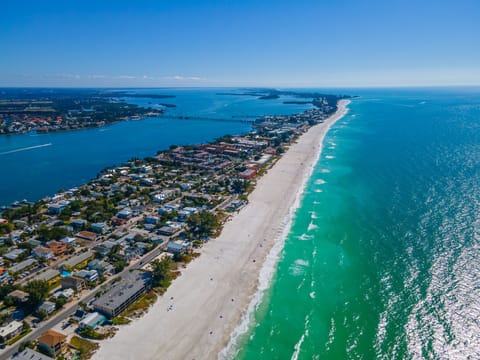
x: 77, y: 261
x: 149, y: 227
x: 66, y: 294
x: 14, y: 254
x: 69, y: 241
x: 29, y: 354
x: 86, y: 235
x: 151, y: 220
x: 47, y: 306
x: 78, y: 224
x: 92, y: 321
x: 58, y: 247
x: 176, y: 247
x: 50, y: 275
x: 22, y: 266
x: 41, y: 252
x: 55, y: 209
x: 87, y: 275
x: 102, y: 267
x: 52, y: 342
x: 248, y: 174
x: 70, y: 282
x: 117, y: 221
x: 99, y: 228
x: 125, y: 213
x: 18, y: 295
x: 167, y: 231
x: 123, y: 293
x: 10, y: 330
x: 34, y: 242
x: 4, y: 275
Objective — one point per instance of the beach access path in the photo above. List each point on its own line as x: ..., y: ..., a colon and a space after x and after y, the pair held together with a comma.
x: 197, y: 315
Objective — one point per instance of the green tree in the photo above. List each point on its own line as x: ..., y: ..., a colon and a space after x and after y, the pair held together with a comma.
x: 5, y: 289
x: 240, y: 186
x: 204, y: 223
x: 161, y: 275
x: 138, y: 238
x: 59, y: 302
x: 46, y: 233
x: 37, y: 292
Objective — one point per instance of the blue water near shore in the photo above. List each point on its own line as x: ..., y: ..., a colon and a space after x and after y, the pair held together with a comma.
x: 34, y: 166
x: 383, y: 258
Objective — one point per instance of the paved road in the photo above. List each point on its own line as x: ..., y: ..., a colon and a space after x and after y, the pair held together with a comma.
x: 63, y: 314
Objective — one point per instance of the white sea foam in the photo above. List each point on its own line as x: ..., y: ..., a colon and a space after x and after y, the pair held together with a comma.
x: 319, y: 182
x: 25, y: 149
x: 302, y: 262
x: 312, y: 226
x: 305, y: 237
x: 312, y: 295
x: 298, y: 345
x: 325, y: 171
x: 329, y: 157
x: 313, y: 215
x: 331, y: 334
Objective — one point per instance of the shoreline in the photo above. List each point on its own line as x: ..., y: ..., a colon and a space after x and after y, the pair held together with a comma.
x: 213, y: 299
x: 269, y: 266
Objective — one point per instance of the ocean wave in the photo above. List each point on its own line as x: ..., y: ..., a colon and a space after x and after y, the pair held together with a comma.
x: 312, y: 226
x: 298, y: 345
x: 304, y: 237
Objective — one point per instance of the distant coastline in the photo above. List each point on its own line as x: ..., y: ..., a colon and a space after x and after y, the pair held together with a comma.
x: 46, y: 110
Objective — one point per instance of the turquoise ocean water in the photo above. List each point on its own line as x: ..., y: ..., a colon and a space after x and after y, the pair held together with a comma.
x: 382, y: 260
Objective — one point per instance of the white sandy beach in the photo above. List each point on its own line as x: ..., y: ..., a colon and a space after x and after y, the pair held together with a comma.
x: 215, y: 290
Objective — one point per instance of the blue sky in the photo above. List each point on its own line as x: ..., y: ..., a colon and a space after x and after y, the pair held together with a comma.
x: 239, y: 43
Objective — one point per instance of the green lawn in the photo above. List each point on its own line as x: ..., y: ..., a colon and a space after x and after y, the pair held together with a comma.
x: 85, y: 347
x: 19, y: 336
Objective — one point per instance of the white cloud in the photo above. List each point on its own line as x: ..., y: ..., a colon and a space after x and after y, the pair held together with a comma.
x: 183, y: 78
x: 128, y: 77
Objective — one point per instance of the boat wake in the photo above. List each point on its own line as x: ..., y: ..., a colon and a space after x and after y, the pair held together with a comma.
x: 25, y: 149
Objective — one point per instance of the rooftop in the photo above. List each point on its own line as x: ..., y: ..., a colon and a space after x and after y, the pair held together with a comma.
x: 29, y: 354
x: 47, y: 275
x: 51, y: 338
x: 22, y: 265
x: 77, y: 259
x: 123, y: 290
x: 10, y: 328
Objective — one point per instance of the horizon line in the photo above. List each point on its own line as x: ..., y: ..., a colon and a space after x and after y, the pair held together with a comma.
x: 249, y: 87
